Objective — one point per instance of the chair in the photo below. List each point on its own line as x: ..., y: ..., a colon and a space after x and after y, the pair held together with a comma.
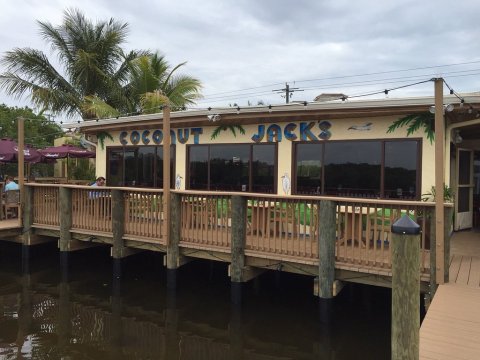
x: 12, y: 203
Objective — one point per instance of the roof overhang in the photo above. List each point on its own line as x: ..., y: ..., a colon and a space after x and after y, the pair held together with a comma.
x: 289, y: 112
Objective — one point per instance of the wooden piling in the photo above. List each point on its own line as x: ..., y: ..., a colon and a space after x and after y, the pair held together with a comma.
x: 448, y: 227
x: 239, y: 221
x: 27, y: 215
x: 430, y: 214
x: 118, y: 223
x: 65, y: 197
x: 326, y: 248
x: 173, y: 261
x: 405, y: 293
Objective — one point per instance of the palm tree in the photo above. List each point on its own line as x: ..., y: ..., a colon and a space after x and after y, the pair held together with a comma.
x: 415, y: 122
x: 153, y: 83
x: 94, y: 68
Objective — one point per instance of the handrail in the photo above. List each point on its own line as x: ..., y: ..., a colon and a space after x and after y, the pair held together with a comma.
x: 392, y: 202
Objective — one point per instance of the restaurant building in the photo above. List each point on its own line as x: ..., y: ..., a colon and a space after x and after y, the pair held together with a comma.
x: 334, y: 148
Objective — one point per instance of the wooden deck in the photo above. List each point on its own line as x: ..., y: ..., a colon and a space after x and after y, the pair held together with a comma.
x: 451, y: 328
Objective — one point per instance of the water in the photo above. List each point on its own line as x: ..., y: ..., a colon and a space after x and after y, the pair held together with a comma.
x: 89, y: 316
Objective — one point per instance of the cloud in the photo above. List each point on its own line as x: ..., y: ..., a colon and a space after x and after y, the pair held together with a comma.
x: 234, y: 45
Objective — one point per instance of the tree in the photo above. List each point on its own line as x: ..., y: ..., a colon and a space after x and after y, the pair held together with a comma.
x: 415, y: 122
x: 153, y: 83
x: 39, y: 132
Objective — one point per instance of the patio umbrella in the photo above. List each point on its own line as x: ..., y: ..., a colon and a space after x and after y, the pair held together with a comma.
x: 9, y: 152
x: 66, y: 151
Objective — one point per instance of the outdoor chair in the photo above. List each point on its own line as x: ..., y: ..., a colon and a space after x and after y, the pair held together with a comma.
x: 12, y: 203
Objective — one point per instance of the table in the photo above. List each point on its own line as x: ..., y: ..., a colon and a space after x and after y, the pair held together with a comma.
x: 352, y: 229
x: 260, y: 214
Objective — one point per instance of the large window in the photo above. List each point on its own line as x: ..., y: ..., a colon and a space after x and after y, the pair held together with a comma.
x: 139, y: 166
x: 382, y: 168
x: 232, y: 167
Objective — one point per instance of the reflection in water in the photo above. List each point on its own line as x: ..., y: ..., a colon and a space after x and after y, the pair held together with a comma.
x: 86, y: 309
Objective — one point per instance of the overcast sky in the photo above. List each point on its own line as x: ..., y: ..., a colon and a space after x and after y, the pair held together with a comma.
x: 242, y: 50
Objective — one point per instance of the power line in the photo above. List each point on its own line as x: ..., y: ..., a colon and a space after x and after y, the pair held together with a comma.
x: 351, y: 76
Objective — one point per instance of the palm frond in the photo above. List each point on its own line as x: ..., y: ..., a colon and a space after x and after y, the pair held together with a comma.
x: 414, y: 123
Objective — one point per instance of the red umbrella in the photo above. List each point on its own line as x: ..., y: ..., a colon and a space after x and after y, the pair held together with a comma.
x: 9, y: 152
x: 66, y: 151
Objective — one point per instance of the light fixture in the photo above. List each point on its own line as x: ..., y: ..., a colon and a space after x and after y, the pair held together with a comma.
x: 446, y: 108
x: 457, y: 139
x: 270, y: 108
x: 213, y: 117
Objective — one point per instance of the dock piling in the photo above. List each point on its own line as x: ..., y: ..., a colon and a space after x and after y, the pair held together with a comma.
x: 405, y: 289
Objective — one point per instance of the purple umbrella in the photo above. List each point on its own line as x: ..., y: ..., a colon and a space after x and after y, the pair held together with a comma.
x: 66, y: 151
x: 9, y: 152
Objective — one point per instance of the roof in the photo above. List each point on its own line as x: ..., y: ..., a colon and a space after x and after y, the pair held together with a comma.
x: 288, y: 112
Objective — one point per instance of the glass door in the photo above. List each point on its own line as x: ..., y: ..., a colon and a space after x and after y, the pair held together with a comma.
x: 464, y: 193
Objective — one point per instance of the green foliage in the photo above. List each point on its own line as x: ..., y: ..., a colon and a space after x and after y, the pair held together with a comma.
x: 101, y: 136
x: 232, y: 128
x: 39, y: 132
x: 448, y: 194
x: 414, y: 123
x: 153, y: 83
x: 81, y: 169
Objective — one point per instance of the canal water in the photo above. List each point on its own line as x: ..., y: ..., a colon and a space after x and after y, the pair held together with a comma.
x: 84, y: 313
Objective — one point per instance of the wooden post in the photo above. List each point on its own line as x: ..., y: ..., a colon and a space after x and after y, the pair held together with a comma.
x: 166, y: 170
x: 27, y: 215
x: 439, y: 177
x: 21, y: 162
x: 430, y: 213
x: 405, y: 289
x: 175, y: 222
x: 326, y: 248
x: 118, y: 223
x: 65, y: 195
x: 239, y: 233
x: 448, y: 226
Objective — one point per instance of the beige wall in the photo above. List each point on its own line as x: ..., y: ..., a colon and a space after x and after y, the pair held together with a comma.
x: 339, y: 131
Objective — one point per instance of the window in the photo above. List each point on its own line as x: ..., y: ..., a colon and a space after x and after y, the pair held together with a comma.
x: 232, y: 167
x: 139, y: 166
x: 382, y: 168
x: 353, y: 168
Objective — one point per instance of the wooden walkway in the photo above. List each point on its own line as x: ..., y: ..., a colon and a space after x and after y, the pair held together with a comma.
x: 451, y: 328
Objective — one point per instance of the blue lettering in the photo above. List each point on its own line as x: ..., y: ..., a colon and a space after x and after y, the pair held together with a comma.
x: 145, y: 138
x: 288, y: 132
x: 305, y: 131
x: 274, y: 132
x: 123, y: 135
x: 135, y: 137
x: 196, y: 132
x: 261, y: 133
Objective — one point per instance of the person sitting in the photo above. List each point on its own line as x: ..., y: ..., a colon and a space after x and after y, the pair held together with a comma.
x: 100, y: 181
x: 10, y: 184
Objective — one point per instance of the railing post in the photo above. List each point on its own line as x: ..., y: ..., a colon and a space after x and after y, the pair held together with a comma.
x: 405, y: 289
x: 448, y: 226
x: 430, y: 214
x: 118, y: 223
x: 239, y: 233
x: 27, y: 215
x: 326, y: 248
x: 65, y: 195
x: 175, y: 227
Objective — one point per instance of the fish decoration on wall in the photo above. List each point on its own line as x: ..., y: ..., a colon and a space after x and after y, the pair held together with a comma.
x: 286, y: 183
x: 364, y: 127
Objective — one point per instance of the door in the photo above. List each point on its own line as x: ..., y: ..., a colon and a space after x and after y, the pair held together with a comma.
x: 464, y: 191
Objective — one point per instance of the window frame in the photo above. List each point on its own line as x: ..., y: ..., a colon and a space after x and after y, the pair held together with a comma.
x: 418, y: 141
x: 250, y: 146
x: 154, y: 170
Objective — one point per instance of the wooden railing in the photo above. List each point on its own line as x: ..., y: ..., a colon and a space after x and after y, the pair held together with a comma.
x: 144, y: 214
x: 46, y: 205
x: 206, y: 220
x: 276, y: 227
x: 92, y: 209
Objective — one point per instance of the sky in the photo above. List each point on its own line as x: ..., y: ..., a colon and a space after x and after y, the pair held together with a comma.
x: 243, y: 50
